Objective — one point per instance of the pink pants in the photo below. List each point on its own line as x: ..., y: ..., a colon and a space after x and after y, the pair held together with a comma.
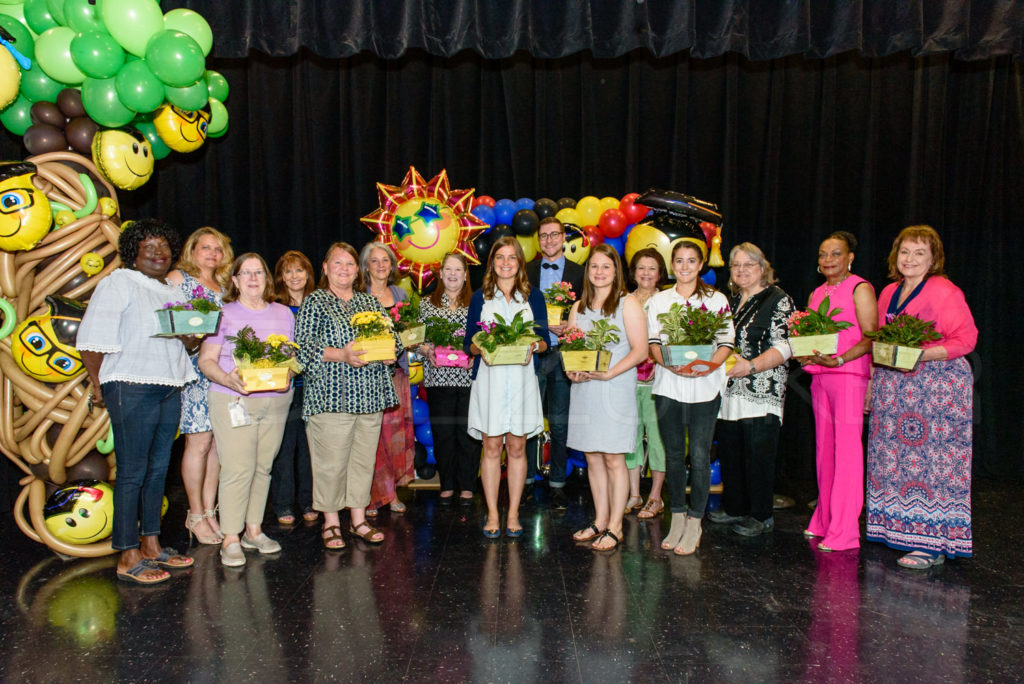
x: 838, y: 400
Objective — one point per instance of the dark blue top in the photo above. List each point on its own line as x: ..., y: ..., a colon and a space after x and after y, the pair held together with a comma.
x: 540, y: 319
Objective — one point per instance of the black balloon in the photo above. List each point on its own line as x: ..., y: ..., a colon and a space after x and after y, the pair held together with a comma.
x: 502, y: 230
x: 482, y: 244
x: 79, y: 133
x: 567, y: 203
x: 47, y: 113
x: 545, y: 207
x: 70, y: 102
x: 525, y: 222
x: 43, y: 138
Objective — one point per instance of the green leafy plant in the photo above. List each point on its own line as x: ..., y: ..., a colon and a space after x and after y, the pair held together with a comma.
x: 691, y: 325
x: 252, y: 352
x: 199, y: 302
x: 516, y: 331
x: 820, y: 321
x: 444, y: 333
x: 597, y: 338
x: 906, y: 331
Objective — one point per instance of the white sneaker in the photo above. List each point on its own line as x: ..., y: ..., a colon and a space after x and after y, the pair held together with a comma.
x: 262, y: 543
x: 232, y: 555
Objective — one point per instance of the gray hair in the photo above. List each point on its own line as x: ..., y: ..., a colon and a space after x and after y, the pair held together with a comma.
x: 364, y: 262
x: 755, y: 254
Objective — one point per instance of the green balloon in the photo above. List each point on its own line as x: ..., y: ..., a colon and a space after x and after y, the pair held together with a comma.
x: 16, y: 117
x: 99, y: 96
x: 132, y: 22
x: 138, y: 88
x: 83, y: 16
x: 97, y: 54
x: 191, y: 24
x: 15, y: 11
x: 175, y: 58
x: 56, y: 8
x: 190, y: 98
x: 53, y: 52
x: 23, y: 40
x: 37, y: 16
x: 217, y: 85
x: 160, y: 148
x: 218, y: 119
x: 37, y: 86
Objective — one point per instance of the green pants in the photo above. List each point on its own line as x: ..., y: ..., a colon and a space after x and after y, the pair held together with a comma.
x: 648, y: 422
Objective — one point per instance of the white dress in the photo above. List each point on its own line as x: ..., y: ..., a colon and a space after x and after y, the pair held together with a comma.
x: 505, y: 399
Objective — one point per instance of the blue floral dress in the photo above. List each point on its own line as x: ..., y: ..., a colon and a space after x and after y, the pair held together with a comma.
x: 195, y: 410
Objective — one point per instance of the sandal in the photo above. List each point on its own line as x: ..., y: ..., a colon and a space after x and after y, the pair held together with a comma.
x: 286, y: 518
x: 582, y: 536
x: 609, y: 534
x: 633, y: 504
x: 371, y: 513
x: 921, y: 560
x: 170, y: 558
x: 335, y: 535
x: 492, y: 533
x: 651, y: 509
x: 135, y: 573
x: 397, y: 506
x: 309, y: 515
x: 368, y: 535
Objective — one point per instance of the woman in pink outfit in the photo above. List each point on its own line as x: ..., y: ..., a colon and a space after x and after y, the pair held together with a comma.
x: 838, y: 392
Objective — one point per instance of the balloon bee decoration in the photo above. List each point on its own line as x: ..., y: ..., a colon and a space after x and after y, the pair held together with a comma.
x: 81, y: 512
x: 44, y: 346
x: 181, y: 130
x: 674, y: 217
x: 25, y: 214
x: 577, y: 244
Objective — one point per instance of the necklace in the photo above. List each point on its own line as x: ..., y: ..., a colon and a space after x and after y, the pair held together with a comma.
x: 830, y: 289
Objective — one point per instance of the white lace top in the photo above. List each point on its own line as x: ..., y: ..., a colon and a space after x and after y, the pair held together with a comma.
x: 119, y: 323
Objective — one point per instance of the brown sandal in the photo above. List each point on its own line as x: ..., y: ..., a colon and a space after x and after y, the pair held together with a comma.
x: 334, y: 535
x: 651, y: 509
x: 368, y: 535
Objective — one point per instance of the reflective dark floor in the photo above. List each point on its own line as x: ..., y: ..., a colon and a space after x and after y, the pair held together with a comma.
x: 438, y: 602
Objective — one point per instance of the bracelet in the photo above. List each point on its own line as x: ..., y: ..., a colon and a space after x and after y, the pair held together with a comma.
x: 753, y: 367
x: 839, y: 361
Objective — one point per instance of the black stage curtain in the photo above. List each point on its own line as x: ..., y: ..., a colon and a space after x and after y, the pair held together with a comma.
x: 757, y: 29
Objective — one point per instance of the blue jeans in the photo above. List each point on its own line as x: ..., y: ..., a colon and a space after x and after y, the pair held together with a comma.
x: 554, y: 397
x: 674, y: 418
x: 145, y: 421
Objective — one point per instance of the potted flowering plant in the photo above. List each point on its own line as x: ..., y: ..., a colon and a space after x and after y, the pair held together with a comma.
x: 505, y: 343
x: 406, y: 318
x: 198, y: 316
x: 374, y: 335
x: 691, y: 332
x: 897, y: 344
x: 558, y: 298
x: 447, y: 337
x: 586, y: 351
x: 815, y: 330
x: 264, y: 364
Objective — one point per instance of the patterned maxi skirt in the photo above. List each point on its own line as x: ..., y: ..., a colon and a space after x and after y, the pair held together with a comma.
x: 396, y: 448
x: 919, y: 458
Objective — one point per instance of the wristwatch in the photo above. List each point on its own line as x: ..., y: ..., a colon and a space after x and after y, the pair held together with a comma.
x: 839, y: 361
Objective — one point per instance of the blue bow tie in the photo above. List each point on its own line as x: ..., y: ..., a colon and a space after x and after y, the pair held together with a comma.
x: 547, y: 265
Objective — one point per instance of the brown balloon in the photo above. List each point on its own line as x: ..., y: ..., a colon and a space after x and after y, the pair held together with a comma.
x: 43, y: 112
x: 79, y: 133
x: 43, y: 138
x: 70, y: 102
x: 93, y: 467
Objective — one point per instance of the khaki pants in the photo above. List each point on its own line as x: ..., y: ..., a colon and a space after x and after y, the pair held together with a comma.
x: 246, y: 455
x: 343, y: 452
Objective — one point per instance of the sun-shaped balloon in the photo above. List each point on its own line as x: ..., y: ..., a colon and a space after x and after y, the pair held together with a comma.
x: 422, y: 221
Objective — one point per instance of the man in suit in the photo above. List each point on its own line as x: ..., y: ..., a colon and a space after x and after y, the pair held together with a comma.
x: 551, y: 268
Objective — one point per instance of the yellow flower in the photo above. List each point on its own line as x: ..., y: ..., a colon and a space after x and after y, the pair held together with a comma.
x: 276, y: 340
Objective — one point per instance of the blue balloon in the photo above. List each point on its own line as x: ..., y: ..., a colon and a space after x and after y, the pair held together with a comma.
x: 420, y: 412
x: 424, y: 435
x: 524, y: 203
x: 625, y: 233
x: 484, y: 213
x: 617, y: 243
x: 430, y: 456
x: 714, y: 502
x: 504, y: 210
x: 716, y: 473
x: 708, y: 277
x: 414, y: 390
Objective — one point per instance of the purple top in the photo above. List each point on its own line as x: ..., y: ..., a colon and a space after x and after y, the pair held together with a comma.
x: 842, y: 298
x: 276, y: 318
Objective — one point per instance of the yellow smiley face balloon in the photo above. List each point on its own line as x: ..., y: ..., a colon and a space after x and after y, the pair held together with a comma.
x: 577, y: 246
x: 44, y: 346
x: 92, y: 263
x: 123, y: 156
x: 81, y: 512
x: 181, y: 130
x: 25, y: 214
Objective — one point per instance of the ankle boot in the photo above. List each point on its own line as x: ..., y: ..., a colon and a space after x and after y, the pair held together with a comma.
x: 675, y: 531
x: 691, y: 537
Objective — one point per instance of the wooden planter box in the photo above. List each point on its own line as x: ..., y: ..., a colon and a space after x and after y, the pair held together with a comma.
x: 895, y: 356
x: 174, y: 323
x: 376, y: 348
x: 264, y: 379
x: 682, y: 354
x: 506, y: 355
x: 805, y: 345
x: 586, y: 360
x: 413, y: 336
x: 450, y: 356
x: 555, y: 314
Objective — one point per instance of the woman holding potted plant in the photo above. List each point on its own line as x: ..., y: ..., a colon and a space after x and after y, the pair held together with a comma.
x: 688, y: 395
x: 205, y: 264
x: 504, y: 403
x: 345, y: 395
x: 838, y: 391
x: 602, y: 405
x: 247, y: 424
x: 448, y: 381
x: 396, y: 450
x: 919, y: 473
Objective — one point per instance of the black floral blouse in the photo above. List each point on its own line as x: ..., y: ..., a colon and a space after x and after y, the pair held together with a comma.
x: 445, y: 376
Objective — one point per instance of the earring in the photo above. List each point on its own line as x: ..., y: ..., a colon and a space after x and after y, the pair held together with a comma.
x: 819, y: 269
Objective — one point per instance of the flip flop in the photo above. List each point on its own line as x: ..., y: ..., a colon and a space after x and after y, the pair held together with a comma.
x: 592, y: 527
x: 607, y: 533
x: 135, y: 573
x: 164, y: 560
x: 368, y: 535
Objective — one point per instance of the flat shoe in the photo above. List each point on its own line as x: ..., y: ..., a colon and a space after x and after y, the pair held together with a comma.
x: 331, y: 534
x: 286, y: 519
x: 810, y: 535
x: 594, y: 530
x: 633, y: 504
x: 309, y: 515
x: 368, y: 535
x: 465, y: 500
x: 135, y: 573
x: 232, y: 555
x: 921, y: 560
x: 609, y: 534
x: 826, y: 549
x: 397, y: 506
x: 492, y: 534
x: 262, y: 543
x: 651, y: 509
x: 371, y: 512
x: 170, y: 558
x: 514, y: 532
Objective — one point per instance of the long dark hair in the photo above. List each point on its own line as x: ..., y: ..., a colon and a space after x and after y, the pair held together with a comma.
x: 290, y: 257
x: 701, y: 288
x: 522, y: 284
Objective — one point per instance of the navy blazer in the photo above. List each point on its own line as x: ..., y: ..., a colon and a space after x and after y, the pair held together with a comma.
x: 476, y: 305
x: 573, y: 274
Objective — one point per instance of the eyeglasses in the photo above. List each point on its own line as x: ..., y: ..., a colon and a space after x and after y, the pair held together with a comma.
x: 745, y: 266
x: 251, y: 274
x: 549, y: 236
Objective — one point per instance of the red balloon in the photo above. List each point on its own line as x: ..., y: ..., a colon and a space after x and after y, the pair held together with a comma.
x: 709, y: 231
x: 594, y: 235
x: 613, y: 223
x: 634, y: 212
x: 484, y: 199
